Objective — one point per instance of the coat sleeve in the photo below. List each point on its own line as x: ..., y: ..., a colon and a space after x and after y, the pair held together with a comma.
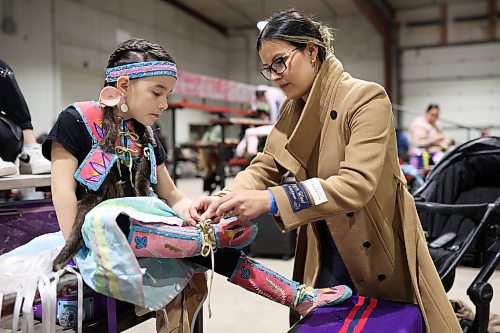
x: 369, y: 123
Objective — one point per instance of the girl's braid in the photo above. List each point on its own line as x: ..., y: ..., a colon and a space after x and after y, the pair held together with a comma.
x: 142, y: 183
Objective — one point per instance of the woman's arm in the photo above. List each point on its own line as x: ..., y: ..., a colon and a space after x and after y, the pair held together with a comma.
x: 63, y: 185
x: 167, y: 190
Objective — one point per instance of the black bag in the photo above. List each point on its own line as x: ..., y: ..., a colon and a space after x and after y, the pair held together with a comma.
x: 11, y: 137
x: 270, y: 241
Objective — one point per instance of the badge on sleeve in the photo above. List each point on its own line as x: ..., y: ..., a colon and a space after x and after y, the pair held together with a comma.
x: 298, y: 197
x: 316, y: 191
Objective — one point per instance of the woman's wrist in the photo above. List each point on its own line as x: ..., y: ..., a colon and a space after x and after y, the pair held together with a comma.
x: 274, y: 207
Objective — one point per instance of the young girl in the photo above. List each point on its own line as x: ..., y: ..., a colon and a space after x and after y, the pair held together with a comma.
x: 107, y: 150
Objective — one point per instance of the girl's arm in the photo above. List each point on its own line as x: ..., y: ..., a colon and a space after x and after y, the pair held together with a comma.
x: 63, y: 185
x: 167, y: 190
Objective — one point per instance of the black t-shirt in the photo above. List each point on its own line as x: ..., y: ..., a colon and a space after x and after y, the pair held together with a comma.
x: 70, y: 132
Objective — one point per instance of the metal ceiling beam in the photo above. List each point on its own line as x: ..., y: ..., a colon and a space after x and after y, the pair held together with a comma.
x: 243, y: 14
x: 188, y: 10
x: 443, y: 28
x: 376, y: 17
x: 381, y: 16
x: 492, y: 20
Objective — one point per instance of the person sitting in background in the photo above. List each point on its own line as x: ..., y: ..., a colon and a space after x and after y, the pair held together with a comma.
x: 485, y: 132
x: 267, y: 107
x: 262, y: 107
x: 13, y: 107
x: 413, y: 177
x: 426, y: 133
x: 209, y: 158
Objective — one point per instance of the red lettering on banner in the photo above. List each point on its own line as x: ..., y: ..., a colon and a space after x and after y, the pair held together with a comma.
x: 201, y: 86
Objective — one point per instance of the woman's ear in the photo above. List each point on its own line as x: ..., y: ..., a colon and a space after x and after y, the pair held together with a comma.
x: 312, y: 51
x: 122, y: 84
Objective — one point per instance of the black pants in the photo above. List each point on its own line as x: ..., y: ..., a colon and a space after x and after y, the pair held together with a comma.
x: 12, y: 103
x: 333, y: 271
x: 225, y: 261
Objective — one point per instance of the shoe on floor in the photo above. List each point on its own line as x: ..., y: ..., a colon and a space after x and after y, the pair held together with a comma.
x: 31, y: 160
x: 7, y: 168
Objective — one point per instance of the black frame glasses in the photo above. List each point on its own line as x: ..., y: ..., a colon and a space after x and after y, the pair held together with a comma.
x: 278, y: 66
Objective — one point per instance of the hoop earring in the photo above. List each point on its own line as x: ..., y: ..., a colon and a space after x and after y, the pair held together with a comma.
x: 124, y: 108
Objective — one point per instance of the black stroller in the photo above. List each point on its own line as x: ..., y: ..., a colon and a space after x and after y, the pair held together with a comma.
x: 459, y: 206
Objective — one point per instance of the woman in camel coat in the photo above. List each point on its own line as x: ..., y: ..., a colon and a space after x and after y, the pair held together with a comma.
x: 357, y: 222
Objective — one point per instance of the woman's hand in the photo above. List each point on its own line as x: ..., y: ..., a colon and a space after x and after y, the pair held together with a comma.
x: 245, y: 205
x: 198, y: 210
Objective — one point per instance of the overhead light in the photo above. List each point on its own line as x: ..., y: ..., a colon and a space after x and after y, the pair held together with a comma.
x: 261, y: 25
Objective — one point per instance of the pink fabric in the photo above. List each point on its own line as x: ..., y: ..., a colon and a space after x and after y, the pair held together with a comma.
x: 163, y: 241
x: 263, y: 281
x: 233, y: 233
x: 324, y: 297
x: 166, y: 241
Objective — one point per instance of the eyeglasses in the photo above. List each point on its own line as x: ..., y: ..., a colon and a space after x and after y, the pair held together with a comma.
x: 278, y: 66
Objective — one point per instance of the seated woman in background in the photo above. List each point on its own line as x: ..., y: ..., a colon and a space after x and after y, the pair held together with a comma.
x: 426, y: 132
x: 267, y: 103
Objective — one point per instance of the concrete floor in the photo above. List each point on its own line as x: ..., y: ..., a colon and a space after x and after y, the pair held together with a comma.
x: 236, y: 310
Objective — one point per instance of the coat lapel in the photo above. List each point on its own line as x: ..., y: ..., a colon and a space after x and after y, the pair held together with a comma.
x: 312, y: 115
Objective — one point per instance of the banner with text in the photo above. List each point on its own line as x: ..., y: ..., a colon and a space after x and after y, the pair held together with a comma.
x: 202, y: 86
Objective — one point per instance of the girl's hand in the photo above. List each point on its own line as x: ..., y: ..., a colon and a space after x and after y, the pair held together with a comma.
x: 245, y: 205
x: 198, y: 210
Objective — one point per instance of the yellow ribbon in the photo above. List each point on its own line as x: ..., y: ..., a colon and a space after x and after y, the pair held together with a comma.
x: 208, y: 246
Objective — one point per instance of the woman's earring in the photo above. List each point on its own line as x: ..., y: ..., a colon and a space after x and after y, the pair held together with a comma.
x: 124, y: 107
x: 312, y: 62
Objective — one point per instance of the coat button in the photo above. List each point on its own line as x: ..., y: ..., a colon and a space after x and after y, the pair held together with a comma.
x: 381, y: 277
x: 333, y: 114
x: 367, y: 244
x: 350, y: 214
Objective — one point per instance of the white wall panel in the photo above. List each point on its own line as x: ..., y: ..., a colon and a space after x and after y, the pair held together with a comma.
x: 29, y: 52
x: 472, y: 29
x: 84, y: 52
x: 463, y: 80
x: 358, y: 46
x: 451, y: 62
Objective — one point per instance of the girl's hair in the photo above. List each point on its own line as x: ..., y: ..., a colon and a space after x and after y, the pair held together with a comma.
x: 137, y: 50
x: 297, y: 29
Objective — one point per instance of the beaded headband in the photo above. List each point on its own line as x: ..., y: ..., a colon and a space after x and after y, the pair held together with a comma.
x: 141, y: 69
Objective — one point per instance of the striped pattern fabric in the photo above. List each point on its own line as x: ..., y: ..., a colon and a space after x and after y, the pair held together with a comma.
x: 141, y: 69
x: 363, y: 314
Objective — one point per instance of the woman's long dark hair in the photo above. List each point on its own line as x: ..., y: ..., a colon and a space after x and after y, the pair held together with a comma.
x: 130, y: 51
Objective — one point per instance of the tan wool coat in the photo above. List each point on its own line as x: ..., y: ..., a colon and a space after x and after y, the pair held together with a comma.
x: 344, y: 137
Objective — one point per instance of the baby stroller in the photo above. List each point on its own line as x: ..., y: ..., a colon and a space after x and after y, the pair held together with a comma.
x: 459, y: 206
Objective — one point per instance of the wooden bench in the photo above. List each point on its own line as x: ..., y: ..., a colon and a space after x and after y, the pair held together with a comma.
x: 24, y: 181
